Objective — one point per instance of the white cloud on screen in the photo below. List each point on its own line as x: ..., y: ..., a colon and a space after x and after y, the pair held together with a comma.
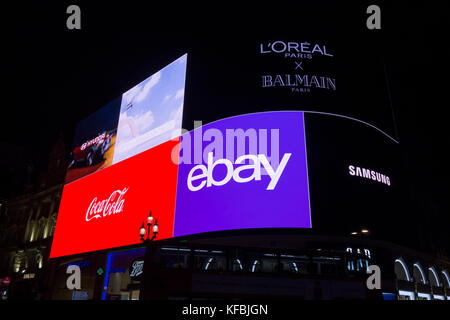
x: 150, y: 84
x: 139, y: 92
x: 130, y: 94
x: 179, y: 94
x: 132, y: 126
x: 177, y: 114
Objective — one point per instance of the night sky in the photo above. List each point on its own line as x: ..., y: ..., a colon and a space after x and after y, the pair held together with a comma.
x: 55, y: 77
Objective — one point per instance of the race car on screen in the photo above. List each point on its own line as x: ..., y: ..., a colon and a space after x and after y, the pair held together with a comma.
x: 91, y: 151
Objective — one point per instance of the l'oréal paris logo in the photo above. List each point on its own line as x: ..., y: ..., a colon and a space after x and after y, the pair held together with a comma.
x: 204, y: 174
x: 303, y: 50
x: 112, y: 205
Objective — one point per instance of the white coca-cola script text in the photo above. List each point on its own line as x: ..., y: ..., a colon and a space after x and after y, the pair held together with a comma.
x: 112, y: 205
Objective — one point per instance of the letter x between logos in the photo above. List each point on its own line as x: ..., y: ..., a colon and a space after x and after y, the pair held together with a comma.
x: 298, y: 65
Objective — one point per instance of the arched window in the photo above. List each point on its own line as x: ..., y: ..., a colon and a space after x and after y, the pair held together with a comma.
x: 418, y: 273
x: 350, y: 265
x: 210, y: 264
x: 41, y: 228
x: 39, y: 260
x: 237, y: 265
x: 362, y: 264
x: 31, y: 230
x: 52, y: 225
x: 447, y: 279
x: 293, y: 267
x: 401, y: 270
x: 20, y: 262
x: 256, y: 266
x: 433, y: 276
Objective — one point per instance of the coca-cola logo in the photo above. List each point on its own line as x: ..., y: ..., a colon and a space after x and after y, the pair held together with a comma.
x: 112, y: 205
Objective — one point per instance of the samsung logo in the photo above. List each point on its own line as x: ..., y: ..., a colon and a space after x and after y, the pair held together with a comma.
x: 369, y: 174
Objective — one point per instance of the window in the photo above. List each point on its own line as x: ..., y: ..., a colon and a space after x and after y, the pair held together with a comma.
x: 294, y: 263
x: 423, y: 296
x: 418, y: 274
x: 237, y: 265
x: 211, y: 260
x: 256, y: 266
x: 262, y: 262
x: 350, y: 265
x: 210, y: 263
x: 405, y: 295
x: 175, y: 257
x: 32, y: 231
x: 41, y: 228
x: 327, y: 265
x: 52, y: 225
x: 401, y: 270
x: 361, y: 265
x: 118, y: 283
x: 20, y: 263
x: 446, y: 279
x: 39, y: 260
x: 433, y: 276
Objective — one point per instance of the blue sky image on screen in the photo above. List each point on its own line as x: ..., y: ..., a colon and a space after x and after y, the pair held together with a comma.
x: 151, y: 112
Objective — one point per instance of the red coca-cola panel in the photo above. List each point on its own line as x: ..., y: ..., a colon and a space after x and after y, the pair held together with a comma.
x: 106, y: 209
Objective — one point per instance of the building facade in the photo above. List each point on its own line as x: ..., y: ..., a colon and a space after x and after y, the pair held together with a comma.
x: 255, y: 264
x: 27, y: 226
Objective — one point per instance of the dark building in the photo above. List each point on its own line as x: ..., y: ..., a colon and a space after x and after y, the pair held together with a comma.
x: 27, y: 225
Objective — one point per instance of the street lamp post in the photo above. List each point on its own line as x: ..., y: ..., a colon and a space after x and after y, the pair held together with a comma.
x: 149, y: 254
x: 149, y: 226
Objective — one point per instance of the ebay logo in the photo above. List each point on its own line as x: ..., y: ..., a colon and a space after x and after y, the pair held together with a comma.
x: 236, y: 172
x: 203, y: 175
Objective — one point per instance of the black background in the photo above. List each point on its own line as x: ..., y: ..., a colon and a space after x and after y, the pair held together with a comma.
x: 341, y: 203
x: 55, y: 77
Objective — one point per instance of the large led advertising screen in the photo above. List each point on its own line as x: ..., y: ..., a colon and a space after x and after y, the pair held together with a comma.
x: 121, y: 160
x: 145, y: 116
x: 105, y: 209
x: 269, y: 136
x: 151, y: 112
x: 247, y: 171
x: 94, y: 141
x: 233, y: 173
